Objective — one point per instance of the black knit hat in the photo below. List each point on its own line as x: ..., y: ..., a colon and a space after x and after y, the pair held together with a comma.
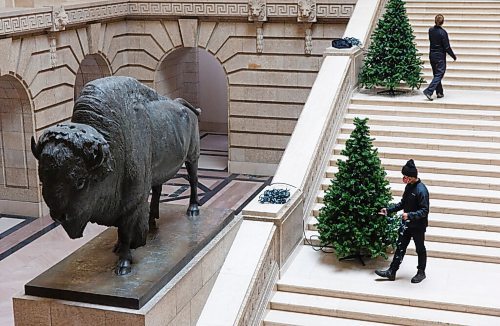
x: 410, y: 170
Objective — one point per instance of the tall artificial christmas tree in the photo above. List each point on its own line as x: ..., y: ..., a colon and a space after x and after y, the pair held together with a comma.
x: 349, y: 221
x: 392, y: 57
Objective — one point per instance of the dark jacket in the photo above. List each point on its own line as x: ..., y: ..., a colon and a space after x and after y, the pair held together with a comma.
x: 415, y: 202
x: 440, y: 44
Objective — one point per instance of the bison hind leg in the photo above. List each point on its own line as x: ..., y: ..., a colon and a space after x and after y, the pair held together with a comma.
x: 154, y: 207
x: 192, y: 170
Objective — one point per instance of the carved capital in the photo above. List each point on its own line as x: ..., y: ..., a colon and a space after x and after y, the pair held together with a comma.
x: 306, y: 12
x: 59, y: 19
x: 257, y: 10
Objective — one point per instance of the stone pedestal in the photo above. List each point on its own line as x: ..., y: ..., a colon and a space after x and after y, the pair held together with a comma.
x: 171, y: 278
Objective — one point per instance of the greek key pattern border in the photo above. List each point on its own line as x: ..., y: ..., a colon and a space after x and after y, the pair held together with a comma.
x: 78, y: 14
x: 24, y: 23
x: 334, y: 10
x: 85, y: 14
x: 189, y: 8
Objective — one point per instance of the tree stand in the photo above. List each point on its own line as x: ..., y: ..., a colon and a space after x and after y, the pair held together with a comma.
x: 391, y: 92
x: 357, y: 256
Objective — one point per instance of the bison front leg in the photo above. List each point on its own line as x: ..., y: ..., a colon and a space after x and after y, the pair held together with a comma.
x: 122, y: 249
x: 154, y: 207
x: 192, y: 170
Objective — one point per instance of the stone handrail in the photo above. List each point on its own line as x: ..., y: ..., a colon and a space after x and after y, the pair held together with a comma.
x: 29, y: 20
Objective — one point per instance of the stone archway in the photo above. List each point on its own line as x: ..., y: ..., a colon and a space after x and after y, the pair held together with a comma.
x: 196, y: 75
x: 93, y: 66
x: 19, y: 188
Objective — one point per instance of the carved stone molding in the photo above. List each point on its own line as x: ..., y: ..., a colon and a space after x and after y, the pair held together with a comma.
x: 257, y: 10
x: 307, y: 11
x: 39, y: 19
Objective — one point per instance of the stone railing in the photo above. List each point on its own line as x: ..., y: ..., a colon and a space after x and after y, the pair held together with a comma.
x: 309, y: 150
x: 24, y: 21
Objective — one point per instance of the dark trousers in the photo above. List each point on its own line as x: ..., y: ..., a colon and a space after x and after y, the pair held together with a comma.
x: 418, y: 236
x: 438, y: 64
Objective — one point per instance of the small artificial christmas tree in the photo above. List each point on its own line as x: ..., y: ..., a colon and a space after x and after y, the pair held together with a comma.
x: 392, y: 56
x: 349, y: 221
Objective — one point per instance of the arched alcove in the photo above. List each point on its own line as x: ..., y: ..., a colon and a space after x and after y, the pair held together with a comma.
x: 195, y: 75
x: 18, y: 176
x: 93, y: 66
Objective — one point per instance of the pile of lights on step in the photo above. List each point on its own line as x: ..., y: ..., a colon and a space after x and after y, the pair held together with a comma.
x: 275, y: 196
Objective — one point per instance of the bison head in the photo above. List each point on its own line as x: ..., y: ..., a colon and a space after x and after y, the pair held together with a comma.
x: 70, y: 158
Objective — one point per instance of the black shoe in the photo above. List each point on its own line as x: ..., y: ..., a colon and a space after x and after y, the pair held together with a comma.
x: 419, y: 277
x: 440, y: 95
x: 387, y: 273
x: 428, y: 96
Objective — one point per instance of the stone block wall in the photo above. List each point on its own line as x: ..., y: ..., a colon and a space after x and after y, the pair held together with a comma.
x: 266, y: 89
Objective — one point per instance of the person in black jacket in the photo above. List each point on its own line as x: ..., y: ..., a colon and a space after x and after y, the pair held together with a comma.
x: 439, y: 46
x: 415, y: 206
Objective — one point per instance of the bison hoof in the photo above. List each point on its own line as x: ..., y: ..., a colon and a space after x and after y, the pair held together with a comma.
x: 123, y: 267
x: 193, y: 210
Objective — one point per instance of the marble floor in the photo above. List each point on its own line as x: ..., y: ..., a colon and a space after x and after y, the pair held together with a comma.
x: 29, y: 246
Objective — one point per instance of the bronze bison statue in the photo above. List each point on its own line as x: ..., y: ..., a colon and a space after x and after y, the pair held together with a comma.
x: 123, y: 142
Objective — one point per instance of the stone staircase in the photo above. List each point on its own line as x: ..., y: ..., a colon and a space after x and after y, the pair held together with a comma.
x: 474, y: 31
x: 455, y: 144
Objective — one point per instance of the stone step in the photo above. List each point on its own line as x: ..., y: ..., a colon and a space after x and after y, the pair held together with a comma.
x: 436, y: 249
x: 431, y: 8
x: 434, y: 155
x: 459, y: 49
x: 428, y: 133
x: 428, y: 122
x: 453, y: 207
x: 372, y: 311
x: 445, y: 193
x: 450, y: 221
x: 466, y: 67
x: 452, y: 285
x: 423, y: 36
x: 454, y: 100
x: 282, y: 318
x: 465, y: 237
x: 447, y: 113
x: 441, y: 192
x: 431, y: 179
x: 491, y: 27
x: 454, y: 21
x: 431, y: 143
x: 426, y: 16
x: 429, y: 166
x: 487, y: 74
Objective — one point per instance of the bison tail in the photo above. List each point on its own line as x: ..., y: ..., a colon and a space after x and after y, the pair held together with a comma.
x: 182, y: 101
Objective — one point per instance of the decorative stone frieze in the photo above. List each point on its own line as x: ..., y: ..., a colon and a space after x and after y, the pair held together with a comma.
x: 306, y: 12
x: 39, y: 19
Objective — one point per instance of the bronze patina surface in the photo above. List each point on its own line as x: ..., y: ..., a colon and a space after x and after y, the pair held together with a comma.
x: 88, y: 275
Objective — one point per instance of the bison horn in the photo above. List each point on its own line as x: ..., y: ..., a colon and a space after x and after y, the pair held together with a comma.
x: 35, y: 148
x: 99, y: 158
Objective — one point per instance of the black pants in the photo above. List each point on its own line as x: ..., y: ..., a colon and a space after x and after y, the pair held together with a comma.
x: 438, y: 64
x: 418, y: 236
